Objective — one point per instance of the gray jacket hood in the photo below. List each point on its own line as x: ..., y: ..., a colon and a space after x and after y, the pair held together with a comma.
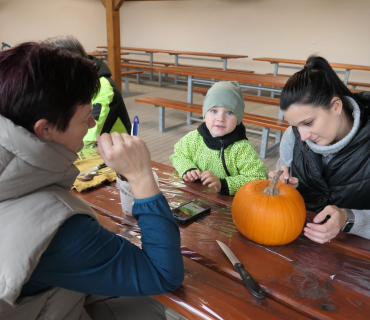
x: 28, y: 163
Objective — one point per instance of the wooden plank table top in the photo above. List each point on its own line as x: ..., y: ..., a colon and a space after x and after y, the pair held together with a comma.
x: 302, y: 280
x: 181, y: 52
x: 103, y: 54
x: 303, y: 62
x: 226, y: 75
x: 205, y: 54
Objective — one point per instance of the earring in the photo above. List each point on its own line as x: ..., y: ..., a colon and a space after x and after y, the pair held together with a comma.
x: 338, y: 114
x: 50, y: 139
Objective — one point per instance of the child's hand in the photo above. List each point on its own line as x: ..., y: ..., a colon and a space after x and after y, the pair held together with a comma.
x: 192, y: 175
x: 209, y: 178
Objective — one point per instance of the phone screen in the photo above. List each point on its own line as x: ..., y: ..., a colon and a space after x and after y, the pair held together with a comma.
x: 190, y: 210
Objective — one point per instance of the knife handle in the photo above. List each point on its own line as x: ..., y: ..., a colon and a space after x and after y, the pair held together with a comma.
x: 252, y: 286
x: 101, y: 166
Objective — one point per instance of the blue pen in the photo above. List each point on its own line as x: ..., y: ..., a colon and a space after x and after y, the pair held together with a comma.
x: 135, y: 127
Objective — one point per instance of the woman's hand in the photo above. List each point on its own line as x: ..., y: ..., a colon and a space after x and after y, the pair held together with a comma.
x: 322, y: 233
x: 192, y: 175
x: 130, y: 157
x: 292, y: 180
x: 208, y: 178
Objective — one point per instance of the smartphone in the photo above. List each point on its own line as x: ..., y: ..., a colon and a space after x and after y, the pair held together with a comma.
x: 190, y: 211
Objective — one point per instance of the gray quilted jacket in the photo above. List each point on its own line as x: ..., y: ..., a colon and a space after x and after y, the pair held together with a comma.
x: 35, y: 179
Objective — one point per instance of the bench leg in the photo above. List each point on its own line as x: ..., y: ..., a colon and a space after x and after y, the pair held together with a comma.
x: 259, y: 91
x: 264, y: 142
x: 161, y: 118
x: 160, y: 79
x: 138, y: 78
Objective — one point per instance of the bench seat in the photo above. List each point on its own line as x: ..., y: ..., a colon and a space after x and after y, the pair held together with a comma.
x: 128, y: 73
x: 246, y: 97
x: 358, y: 84
x: 266, y: 123
x: 350, y: 83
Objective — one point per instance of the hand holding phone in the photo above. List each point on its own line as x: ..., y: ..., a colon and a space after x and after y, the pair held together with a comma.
x: 190, y: 211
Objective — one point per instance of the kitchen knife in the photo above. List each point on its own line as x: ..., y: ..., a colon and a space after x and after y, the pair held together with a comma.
x: 99, y: 166
x: 246, y: 277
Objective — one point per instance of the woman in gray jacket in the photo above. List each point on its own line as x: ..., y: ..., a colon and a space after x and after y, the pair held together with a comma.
x: 56, y: 261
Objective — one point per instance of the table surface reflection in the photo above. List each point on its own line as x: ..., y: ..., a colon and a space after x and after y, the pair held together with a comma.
x: 302, y: 280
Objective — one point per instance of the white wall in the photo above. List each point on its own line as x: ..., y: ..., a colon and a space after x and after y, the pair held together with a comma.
x: 257, y: 28
x: 26, y: 20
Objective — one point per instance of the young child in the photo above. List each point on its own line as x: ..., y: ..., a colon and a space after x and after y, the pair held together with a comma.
x: 218, y: 152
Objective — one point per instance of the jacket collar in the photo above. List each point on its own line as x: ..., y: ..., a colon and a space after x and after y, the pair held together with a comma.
x: 224, y: 141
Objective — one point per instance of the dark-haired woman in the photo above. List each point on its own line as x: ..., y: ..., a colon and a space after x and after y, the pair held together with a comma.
x: 326, y: 151
x: 56, y: 261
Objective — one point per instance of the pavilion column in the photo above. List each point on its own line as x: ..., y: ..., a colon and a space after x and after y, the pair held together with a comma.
x: 114, y: 41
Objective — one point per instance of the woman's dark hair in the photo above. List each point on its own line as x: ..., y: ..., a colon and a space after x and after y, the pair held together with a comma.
x: 41, y: 81
x: 316, y: 85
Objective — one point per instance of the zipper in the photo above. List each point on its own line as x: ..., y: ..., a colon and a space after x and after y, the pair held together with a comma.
x: 222, y: 156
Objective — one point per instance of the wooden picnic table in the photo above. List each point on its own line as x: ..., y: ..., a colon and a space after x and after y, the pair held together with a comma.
x: 103, y: 54
x: 223, y: 57
x: 302, y: 279
x: 348, y: 67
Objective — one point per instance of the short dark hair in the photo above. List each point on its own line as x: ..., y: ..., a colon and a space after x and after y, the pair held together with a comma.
x: 41, y: 81
x: 316, y: 85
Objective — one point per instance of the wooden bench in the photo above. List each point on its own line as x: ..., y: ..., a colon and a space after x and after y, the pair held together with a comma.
x: 266, y: 123
x: 127, y: 60
x: 350, y: 83
x: 128, y: 73
x: 246, y: 97
x: 358, y: 84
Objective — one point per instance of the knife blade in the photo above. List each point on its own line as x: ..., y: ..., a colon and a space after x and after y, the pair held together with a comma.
x: 99, y: 166
x: 252, y: 286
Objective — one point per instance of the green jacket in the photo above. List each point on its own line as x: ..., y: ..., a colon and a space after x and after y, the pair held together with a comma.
x: 109, y: 110
x: 241, y: 160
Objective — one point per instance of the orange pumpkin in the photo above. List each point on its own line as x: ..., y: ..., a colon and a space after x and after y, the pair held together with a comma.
x: 269, y: 212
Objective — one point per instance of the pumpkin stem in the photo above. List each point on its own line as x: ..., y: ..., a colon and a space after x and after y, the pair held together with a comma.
x: 271, y: 189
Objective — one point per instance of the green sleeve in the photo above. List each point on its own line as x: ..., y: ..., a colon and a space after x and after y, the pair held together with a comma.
x: 249, y: 165
x: 100, y: 109
x: 182, y: 159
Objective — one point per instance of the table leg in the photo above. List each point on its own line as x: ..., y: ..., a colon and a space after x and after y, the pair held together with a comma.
x: 190, y: 98
x: 225, y: 64
x: 346, y: 76
x: 279, y: 133
x: 176, y: 64
x: 276, y: 68
x: 160, y: 79
x: 151, y: 64
x: 126, y: 85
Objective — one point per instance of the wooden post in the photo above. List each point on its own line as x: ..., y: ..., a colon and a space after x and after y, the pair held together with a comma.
x: 114, y: 41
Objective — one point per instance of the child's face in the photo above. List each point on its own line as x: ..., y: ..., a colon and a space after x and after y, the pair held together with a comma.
x: 220, y: 121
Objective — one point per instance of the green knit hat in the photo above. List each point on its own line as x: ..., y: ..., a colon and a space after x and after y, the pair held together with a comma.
x: 225, y: 94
